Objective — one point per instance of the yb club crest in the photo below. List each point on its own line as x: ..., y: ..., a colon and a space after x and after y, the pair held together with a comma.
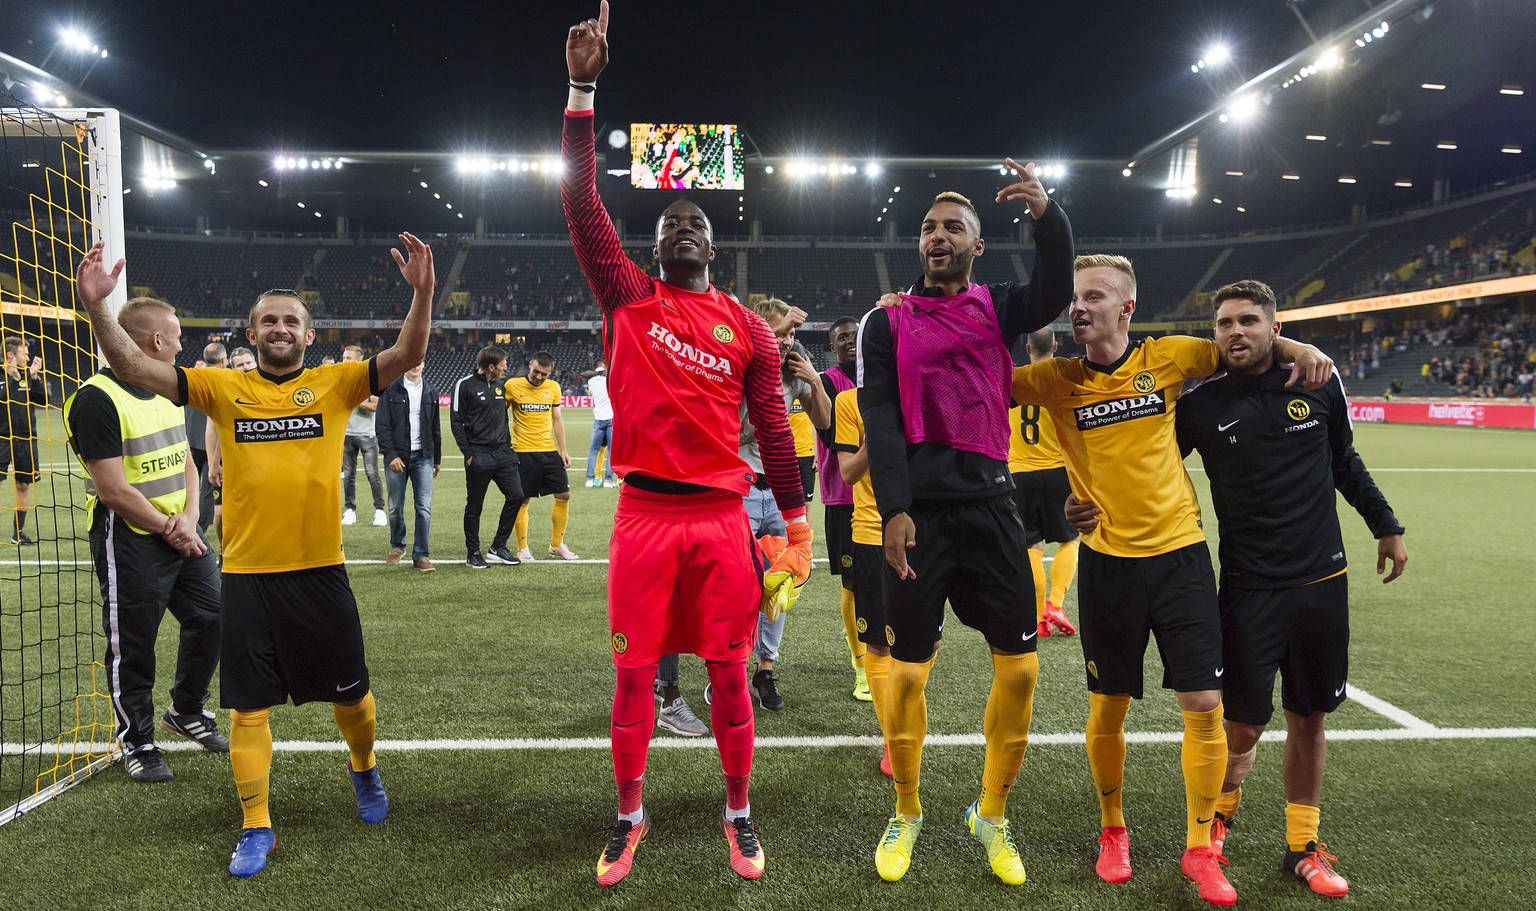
x: 1298, y: 410
x: 1144, y: 382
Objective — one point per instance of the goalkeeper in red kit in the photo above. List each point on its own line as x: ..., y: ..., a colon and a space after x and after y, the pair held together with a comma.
x: 684, y: 572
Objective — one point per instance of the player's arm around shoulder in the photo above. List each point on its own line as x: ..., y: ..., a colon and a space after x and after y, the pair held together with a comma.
x: 1035, y: 383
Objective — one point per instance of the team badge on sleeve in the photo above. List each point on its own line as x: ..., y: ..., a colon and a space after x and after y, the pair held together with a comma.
x: 620, y: 643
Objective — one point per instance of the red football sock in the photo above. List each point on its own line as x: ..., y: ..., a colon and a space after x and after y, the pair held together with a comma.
x: 634, y: 714
x: 731, y: 717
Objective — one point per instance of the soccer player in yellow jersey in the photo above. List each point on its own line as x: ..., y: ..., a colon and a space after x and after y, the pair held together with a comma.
x: 538, y: 438
x: 290, y: 621
x: 867, y: 552
x: 1040, y: 490
x: 1145, y: 565
x: 804, y: 432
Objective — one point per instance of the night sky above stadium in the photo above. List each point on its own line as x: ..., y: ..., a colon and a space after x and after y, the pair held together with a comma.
x: 1090, y: 81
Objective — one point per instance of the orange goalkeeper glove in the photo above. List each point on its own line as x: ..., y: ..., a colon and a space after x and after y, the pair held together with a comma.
x: 789, y: 565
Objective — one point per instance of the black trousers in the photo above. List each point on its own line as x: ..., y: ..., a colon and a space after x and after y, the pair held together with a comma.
x: 488, y: 465
x: 141, y: 577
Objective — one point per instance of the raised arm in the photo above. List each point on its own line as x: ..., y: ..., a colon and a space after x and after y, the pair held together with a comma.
x: 1032, y: 306
x: 410, y: 346
x: 614, y: 278
x: 93, y: 285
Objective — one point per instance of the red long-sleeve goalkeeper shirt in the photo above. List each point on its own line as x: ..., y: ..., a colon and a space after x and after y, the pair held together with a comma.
x: 680, y: 363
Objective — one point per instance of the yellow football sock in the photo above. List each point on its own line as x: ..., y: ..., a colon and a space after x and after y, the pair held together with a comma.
x: 521, y: 527
x: 1228, y: 803
x: 250, y: 758
x: 559, y: 517
x: 1106, y: 753
x: 1063, y: 568
x: 877, y: 669
x: 356, y: 723
x: 1204, y: 758
x: 1010, y: 706
x: 906, y: 720
x: 1037, y: 569
x: 856, y: 649
x: 597, y: 467
x: 1301, y: 822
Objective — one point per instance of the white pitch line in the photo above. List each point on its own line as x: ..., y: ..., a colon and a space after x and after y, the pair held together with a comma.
x: 1388, y: 710
x: 1434, y: 470
x: 566, y: 744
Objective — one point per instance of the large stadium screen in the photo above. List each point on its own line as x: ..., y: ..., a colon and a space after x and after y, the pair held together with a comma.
x: 686, y: 156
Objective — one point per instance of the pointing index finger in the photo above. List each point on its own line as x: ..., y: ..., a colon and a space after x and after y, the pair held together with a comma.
x: 602, y: 19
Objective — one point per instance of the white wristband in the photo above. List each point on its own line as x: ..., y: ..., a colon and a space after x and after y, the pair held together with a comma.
x: 579, y: 100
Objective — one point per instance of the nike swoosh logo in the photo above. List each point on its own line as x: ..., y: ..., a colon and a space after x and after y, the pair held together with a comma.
x: 667, y: 305
x: 343, y: 689
x: 1075, y: 392
x: 1205, y: 821
x: 737, y: 724
x: 625, y: 724
x: 1031, y: 635
x: 1222, y: 427
x: 1109, y: 792
x: 252, y: 797
x: 1220, y: 671
x: 240, y: 401
x: 1339, y: 691
x: 899, y: 781
x: 736, y: 645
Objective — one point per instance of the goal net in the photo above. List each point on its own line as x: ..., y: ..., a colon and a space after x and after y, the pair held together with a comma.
x: 60, y: 191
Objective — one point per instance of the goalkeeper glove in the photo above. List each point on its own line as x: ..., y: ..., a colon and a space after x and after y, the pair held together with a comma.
x: 789, y: 565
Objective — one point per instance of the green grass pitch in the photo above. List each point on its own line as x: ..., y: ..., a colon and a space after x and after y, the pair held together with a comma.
x: 1424, y: 815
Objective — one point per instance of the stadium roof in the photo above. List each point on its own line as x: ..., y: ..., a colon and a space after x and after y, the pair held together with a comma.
x: 1323, y: 109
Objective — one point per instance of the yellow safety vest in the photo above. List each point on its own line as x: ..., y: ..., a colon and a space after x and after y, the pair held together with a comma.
x: 154, y: 447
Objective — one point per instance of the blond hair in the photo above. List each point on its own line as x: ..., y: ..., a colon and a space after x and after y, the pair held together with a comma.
x: 771, y: 308
x: 140, y: 326
x: 1106, y: 261
x: 961, y: 201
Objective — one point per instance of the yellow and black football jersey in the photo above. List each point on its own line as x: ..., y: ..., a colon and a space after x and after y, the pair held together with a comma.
x: 1116, y: 430
x: 850, y: 436
x: 532, y: 409
x: 282, y: 445
x: 801, y: 428
x: 1032, y: 442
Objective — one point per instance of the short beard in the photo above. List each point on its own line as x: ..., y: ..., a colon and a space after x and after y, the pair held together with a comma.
x: 272, y: 364
x: 959, y: 268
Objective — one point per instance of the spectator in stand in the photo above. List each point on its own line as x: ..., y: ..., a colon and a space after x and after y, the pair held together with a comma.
x: 602, y: 427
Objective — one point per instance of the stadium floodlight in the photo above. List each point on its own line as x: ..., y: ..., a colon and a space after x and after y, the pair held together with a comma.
x: 325, y: 163
x: 1511, y: 90
x: 317, y: 214
x: 1433, y: 86
x: 280, y: 163
x: 1346, y: 180
x: 896, y: 190
x: 1446, y: 146
x: 1384, y: 28
x: 1241, y: 209
x: 1217, y: 54
x: 338, y: 164
x: 1379, y: 33
x: 873, y: 169
x: 262, y: 183
x: 1244, y: 109
x: 437, y: 196
x: 1402, y: 183
x: 1510, y: 150
x: 1317, y: 137
x: 1125, y: 172
x: 1290, y: 176
x: 1328, y: 60
x: 534, y: 165
x: 1223, y: 118
x: 1216, y: 200
x: 75, y: 40
x: 314, y: 163
x: 423, y: 184
x: 292, y: 162
x: 553, y: 166
x: 768, y: 169
x: 301, y: 205
x: 1359, y: 42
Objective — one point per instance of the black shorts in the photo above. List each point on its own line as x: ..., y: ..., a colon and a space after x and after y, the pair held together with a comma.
x: 973, y: 555
x: 1042, y: 497
x: 542, y: 473
x: 19, y: 458
x: 866, y: 577
x: 1301, y: 632
x: 838, y: 521
x: 1123, y: 599
x: 292, y: 634
x: 808, y: 476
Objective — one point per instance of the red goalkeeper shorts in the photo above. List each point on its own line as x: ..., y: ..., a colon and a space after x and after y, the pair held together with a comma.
x: 684, y: 576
